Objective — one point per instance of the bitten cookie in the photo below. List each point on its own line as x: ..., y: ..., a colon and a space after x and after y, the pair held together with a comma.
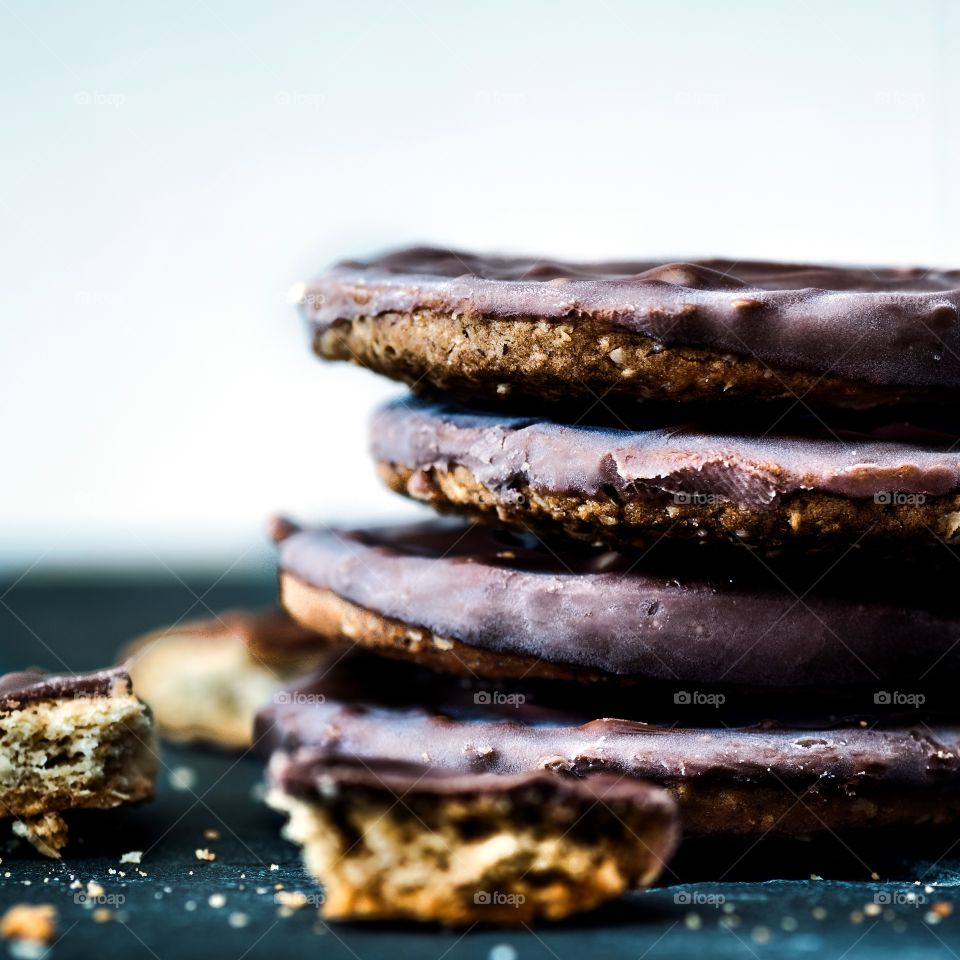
x: 632, y: 487
x: 404, y: 841
x: 71, y: 742
x: 205, y: 680
x: 726, y: 780
x: 499, y: 328
x: 483, y: 603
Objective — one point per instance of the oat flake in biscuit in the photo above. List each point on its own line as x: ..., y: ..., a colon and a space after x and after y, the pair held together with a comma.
x: 631, y: 487
x: 502, y: 329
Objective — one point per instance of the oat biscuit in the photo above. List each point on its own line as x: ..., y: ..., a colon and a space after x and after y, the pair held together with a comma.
x: 205, y: 680
x: 779, y: 778
x: 494, y: 329
x: 632, y: 487
x: 70, y: 742
x: 401, y: 841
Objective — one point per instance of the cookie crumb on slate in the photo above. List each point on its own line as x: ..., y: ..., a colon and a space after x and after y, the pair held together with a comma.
x: 29, y: 921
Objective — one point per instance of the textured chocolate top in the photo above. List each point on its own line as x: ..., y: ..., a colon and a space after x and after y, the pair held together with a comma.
x: 30, y: 686
x: 659, y: 617
x: 324, y: 724
x: 880, y: 325
x: 747, y: 468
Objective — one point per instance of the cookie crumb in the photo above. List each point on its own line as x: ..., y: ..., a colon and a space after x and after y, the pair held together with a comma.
x: 211, y: 834
x: 183, y: 778
x: 29, y: 921
x: 203, y: 854
x: 292, y: 899
x: 132, y: 857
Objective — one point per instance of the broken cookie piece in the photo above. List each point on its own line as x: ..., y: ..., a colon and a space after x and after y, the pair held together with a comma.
x: 403, y: 841
x: 70, y: 742
x: 33, y: 922
x: 205, y: 680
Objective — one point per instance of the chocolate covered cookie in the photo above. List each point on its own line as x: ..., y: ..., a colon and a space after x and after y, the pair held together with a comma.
x: 500, y: 328
x: 813, y: 488
x: 71, y: 742
x: 205, y: 680
x: 406, y: 841
x: 484, y: 603
x: 737, y: 780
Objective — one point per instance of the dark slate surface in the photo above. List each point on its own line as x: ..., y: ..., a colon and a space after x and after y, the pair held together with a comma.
x: 744, y: 898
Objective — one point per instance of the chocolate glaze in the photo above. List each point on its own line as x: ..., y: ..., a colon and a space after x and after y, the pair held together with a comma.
x: 31, y: 686
x: 325, y: 722
x: 669, y: 616
x: 879, y: 325
x: 304, y: 776
x: 749, y: 469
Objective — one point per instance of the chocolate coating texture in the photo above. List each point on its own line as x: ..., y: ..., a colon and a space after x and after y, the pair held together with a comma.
x: 668, y: 616
x: 388, y: 717
x: 877, y: 325
x: 749, y: 468
x: 31, y: 686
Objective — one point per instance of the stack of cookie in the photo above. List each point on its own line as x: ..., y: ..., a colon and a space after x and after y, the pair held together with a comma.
x: 700, y: 537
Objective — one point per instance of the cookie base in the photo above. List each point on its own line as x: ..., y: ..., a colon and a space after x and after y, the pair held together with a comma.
x: 485, y: 858
x: 533, y: 361
x: 93, y: 752
x: 813, y: 521
x: 204, y: 683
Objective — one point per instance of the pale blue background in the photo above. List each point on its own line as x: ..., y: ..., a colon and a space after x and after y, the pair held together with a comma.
x: 168, y: 170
